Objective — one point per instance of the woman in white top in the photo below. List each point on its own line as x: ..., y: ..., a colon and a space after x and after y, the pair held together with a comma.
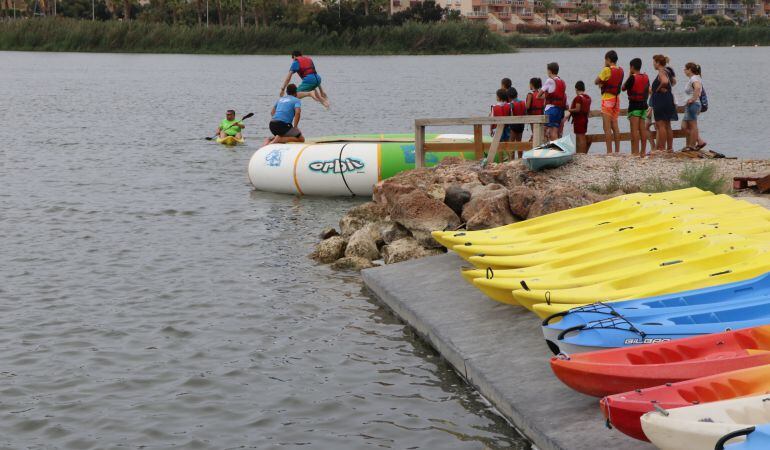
x: 692, y: 108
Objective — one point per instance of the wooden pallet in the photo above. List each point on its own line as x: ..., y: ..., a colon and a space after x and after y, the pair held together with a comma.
x: 761, y: 183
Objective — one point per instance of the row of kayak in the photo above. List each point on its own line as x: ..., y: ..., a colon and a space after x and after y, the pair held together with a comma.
x: 657, y: 303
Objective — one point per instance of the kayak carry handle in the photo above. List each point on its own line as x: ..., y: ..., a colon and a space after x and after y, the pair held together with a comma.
x: 490, y: 273
x: 524, y: 285
x: 738, y: 433
x: 547, y: 320
x: 569, y: 330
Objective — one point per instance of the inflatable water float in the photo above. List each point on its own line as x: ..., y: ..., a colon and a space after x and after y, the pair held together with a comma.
x: 340, y: 165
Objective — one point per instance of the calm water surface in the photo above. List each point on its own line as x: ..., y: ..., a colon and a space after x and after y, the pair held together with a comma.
x: 149, y: 298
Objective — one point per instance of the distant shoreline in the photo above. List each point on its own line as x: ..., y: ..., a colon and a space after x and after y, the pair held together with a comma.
x: 71, y: 35
x: 455, y: 38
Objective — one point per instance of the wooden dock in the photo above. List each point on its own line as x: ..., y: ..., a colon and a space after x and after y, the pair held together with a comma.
x: 499, y: 349
x: 491, y: 149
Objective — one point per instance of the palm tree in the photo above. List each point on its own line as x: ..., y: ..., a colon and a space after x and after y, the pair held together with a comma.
x: 545, y: 7
x: 628, y: 8
x: 615, y: 8
x: 640, y: 11
x: 581, y: 9
x: 749, y: 6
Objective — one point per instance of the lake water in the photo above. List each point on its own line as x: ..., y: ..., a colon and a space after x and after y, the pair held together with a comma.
x: 151, y: 299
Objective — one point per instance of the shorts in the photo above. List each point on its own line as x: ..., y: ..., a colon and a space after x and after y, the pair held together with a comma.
x: 611, y: 107
x: 555, y: 115
x: 506, y: 135
x: 691, y: 111
x: 284, y: 129
x: 580, y: 125
x: 309, y: 83
x: 517, y: 127
x: 640, y: 113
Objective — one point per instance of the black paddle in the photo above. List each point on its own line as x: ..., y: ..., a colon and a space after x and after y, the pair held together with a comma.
x: 242, y: 119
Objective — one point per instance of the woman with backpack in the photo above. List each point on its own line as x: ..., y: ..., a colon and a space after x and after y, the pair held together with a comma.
x: 696, y: 104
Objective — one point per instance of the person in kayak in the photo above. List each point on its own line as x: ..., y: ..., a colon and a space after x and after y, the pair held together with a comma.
x: 311, y: 81
x: 285, y: 117
x: 230, y: 126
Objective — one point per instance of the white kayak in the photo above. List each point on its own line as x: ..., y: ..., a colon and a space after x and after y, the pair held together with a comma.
x: 701, y: 426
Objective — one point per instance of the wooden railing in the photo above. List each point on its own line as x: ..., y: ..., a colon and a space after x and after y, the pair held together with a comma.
x: 479, y: 147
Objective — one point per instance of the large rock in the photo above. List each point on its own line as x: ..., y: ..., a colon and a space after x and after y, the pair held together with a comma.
x: 387, y: 192
x: 406, y: 249
x: 328, y: 232
x: 488, y: 208
x: 520, y: 200
x: 456, y: 197
x: 421, y: 214
x: 560, y: 198
x: 359, y: 216
x: 329, y: 250
x: 352, y: 263
x: 362, y: 244
x: 392, y: 231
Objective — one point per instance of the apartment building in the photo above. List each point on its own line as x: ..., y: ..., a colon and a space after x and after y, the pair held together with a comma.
x: 504, y: 15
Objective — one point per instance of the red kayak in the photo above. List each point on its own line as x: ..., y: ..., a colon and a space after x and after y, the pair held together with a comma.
x: 624, y: 410
x: 608, y: 372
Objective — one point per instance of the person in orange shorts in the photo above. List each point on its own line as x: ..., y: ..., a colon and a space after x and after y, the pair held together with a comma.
x: 610, y: 80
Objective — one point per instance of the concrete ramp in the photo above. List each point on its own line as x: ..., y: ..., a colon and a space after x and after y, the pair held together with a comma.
x: 499, y: 349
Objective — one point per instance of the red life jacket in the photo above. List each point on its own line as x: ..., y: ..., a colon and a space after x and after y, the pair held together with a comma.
x: 518, y: 108
x: 306, y: 66
x: 536, y: 103
x: 559, y: 96
x: 641, y: 88
x: 615, y: 81
x: 585, y: 106
x: 500, y: 110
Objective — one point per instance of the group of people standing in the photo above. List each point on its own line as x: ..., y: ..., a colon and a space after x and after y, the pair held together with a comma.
x: 650, y: 103
x: 287, y: 110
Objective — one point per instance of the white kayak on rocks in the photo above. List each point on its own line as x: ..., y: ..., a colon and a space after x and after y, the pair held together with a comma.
x: 699, y: 427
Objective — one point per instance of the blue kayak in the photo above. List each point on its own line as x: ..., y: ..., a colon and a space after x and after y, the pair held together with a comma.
x: 621, y: 331
x: 757, y: 438
x: 669, y: 304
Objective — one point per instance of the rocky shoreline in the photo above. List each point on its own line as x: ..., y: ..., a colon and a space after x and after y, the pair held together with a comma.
x: 396, y: 225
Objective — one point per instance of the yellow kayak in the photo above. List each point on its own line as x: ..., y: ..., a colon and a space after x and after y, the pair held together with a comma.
x: 618, y: 232
x: 732, y: 265
x: 230, y: 140
x: 626, y: 261
x: 557, y: 220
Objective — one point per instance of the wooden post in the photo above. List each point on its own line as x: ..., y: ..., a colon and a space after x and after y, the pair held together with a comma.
x: 478, y: 142
x: 538, y: 134
x: 495, y: 143
x: 419, y: 144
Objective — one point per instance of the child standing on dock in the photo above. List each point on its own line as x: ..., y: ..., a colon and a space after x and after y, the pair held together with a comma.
x: 555, y: 93
x: 535, y: 102
x: 578, y: 111
x: 638, y: 89
x: 518, y: 108
x: 610, y: 80
x: 499, y: 109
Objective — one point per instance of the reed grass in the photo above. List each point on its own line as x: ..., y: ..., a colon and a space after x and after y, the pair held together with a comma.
x: 47, y: 34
